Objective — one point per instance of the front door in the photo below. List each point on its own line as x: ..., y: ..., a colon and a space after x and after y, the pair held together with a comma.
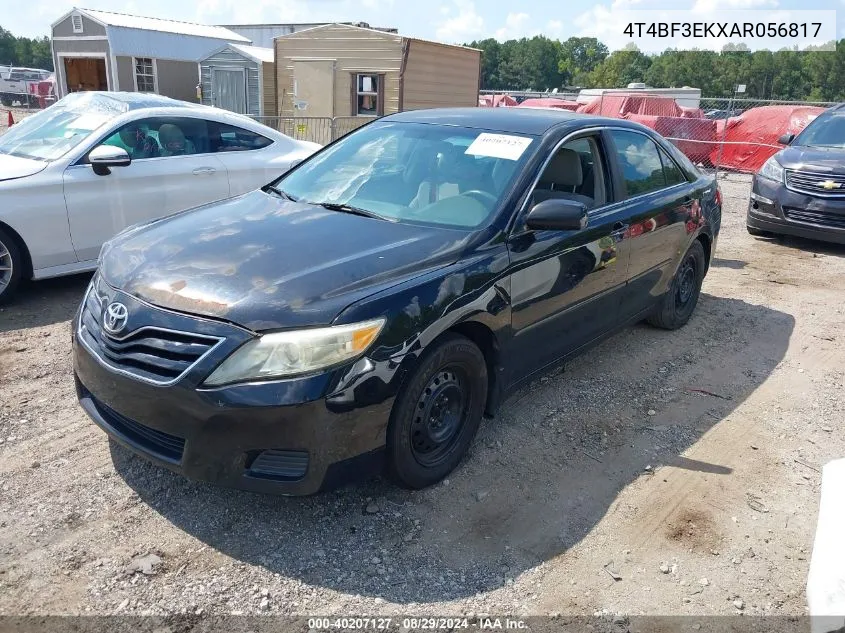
x: 171, y: 170
x: 228, y: 89
x: 567, y: 285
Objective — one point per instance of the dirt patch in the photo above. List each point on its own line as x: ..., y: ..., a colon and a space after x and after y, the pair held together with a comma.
x: 693, y: 529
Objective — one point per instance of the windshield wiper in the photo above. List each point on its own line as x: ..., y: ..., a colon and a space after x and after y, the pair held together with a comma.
x: 345, y: 208
x: 280, y: 193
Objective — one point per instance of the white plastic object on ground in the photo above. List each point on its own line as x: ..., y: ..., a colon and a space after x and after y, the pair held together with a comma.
x: 826, y: 581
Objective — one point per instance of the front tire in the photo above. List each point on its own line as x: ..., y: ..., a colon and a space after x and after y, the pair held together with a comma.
x: 11, y: 266
x: 437, y: 413
x: 677, y: 305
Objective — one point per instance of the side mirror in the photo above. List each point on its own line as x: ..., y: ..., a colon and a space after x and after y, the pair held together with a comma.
x: 557, y: 214
x: 105, y: 156
x: 786, y: 139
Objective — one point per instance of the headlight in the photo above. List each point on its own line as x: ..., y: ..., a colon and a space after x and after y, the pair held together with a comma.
x: 284, y: 354
x: 772, y: 170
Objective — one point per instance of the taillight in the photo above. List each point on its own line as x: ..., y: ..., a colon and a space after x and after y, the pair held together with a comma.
x: 718, y: 197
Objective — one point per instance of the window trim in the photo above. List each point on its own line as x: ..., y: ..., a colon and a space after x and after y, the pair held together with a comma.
x: 378, y: 94
x: 135, y: 73
x: 662, y: 152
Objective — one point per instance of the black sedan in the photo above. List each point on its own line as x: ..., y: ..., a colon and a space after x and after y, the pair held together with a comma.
x: 800, y: 190
x: 364, y: 311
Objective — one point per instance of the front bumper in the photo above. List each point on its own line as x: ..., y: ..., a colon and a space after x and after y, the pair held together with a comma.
x: 293, y: 437
x: 776, y: 209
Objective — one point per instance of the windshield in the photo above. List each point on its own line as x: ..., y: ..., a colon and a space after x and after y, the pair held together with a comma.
x: 53, y: 132
x: 434, y: 174
x: 825, y: 131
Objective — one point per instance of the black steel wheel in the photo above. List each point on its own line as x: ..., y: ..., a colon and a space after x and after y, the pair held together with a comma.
x: 678, y: 304
x: 437, y: 413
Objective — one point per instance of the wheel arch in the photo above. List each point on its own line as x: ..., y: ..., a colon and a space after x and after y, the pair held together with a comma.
x: 19, y: 242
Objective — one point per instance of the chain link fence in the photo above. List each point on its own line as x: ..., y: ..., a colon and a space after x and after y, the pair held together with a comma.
x: 721, y: 135
x: 322, y: 130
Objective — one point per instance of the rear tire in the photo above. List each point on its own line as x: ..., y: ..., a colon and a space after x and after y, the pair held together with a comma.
x: 677, y: 305
x: 437, y: 413
x: 11, y: 266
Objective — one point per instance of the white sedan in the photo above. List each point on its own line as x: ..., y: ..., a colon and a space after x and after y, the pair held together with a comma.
x: 94, y: 163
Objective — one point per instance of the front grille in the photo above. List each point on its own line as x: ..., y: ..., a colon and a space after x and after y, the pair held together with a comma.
x: 815, y: 184
x: 163, y: 445
x: 818, y: 218
x: 278, y: 464
x: 152, y: 354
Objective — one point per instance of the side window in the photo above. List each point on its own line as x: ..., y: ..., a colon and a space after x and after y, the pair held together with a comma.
x: 228, y: 138
x: 639, y: 161
x: 575, y: 173
x: 673, y: 173
x: 157, y: 137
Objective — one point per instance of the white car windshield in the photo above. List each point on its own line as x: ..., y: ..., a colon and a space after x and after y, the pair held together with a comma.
x: 53, y: 132
x: 412, y: 172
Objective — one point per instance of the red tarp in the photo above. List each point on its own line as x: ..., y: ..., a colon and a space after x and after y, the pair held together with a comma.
x: 496, y: 101
x: 551, y: 102
x: 694, y: 137
x: 618, y: 105
x: 757, y: 130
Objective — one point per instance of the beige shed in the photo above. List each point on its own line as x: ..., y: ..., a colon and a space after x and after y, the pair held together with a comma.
x: 339, y: 70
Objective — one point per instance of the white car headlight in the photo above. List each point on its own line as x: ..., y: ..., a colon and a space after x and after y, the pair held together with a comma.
x: 285, y: 354
x: 772, y: 170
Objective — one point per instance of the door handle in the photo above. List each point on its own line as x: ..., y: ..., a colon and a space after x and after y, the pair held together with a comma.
x: 203, y: 171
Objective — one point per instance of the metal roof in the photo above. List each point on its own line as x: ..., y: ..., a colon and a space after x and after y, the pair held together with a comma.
x: 386, y: 34
x: 107, y: 18
x: 256, y: 53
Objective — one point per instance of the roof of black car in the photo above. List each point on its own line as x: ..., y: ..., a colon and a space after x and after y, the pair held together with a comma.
x: 517, y: 120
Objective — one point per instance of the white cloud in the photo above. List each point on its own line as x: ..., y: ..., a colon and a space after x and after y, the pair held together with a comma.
x: 554, y: 28
x: 461, y: 25
x: 516, y: 25
x: 711, y: 6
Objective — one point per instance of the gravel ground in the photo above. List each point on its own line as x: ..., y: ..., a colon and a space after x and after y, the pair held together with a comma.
x: 18, y: 114
x: 662, y: 473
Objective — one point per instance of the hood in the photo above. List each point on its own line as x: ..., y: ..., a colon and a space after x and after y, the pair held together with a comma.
x: 821, y: 159
x: 17, y: 167
x: 264, y: 263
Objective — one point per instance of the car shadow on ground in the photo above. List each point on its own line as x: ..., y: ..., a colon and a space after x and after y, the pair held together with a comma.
x: 539, y: 477
x: 735, y: 264
x: 802, y: 244
x: 40, y: 303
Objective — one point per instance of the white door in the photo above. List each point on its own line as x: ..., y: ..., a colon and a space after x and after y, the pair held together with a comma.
x: 228, y: 89
x: 252, y: 160
x: 171, y: 170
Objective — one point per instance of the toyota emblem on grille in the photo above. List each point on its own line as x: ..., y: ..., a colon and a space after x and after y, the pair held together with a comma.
x: 115, y: 317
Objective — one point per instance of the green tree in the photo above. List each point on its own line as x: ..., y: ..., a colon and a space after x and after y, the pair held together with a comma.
x: 621, y: 68
x: 25, y: 51
x: 579, y: 56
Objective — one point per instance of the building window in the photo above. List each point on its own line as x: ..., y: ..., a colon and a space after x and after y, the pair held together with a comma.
x: 368, y: 95
x: 145, y: 80
x: 76, y: 22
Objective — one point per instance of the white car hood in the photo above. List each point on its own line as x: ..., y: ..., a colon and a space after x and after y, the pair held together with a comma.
x: 17, y: 167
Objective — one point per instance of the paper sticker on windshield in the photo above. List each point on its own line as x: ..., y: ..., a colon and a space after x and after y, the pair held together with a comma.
x: 499, y: 146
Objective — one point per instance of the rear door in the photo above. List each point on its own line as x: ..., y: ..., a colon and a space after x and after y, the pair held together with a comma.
x: 251, y: 159
x: 660, y: 205
x: 160, y: 181
x: 567, y: 285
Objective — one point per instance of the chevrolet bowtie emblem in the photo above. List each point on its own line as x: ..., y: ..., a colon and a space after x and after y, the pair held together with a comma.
x: 829, y: 184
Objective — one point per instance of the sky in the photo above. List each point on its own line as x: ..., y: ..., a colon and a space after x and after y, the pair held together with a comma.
x: 453, y: 21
